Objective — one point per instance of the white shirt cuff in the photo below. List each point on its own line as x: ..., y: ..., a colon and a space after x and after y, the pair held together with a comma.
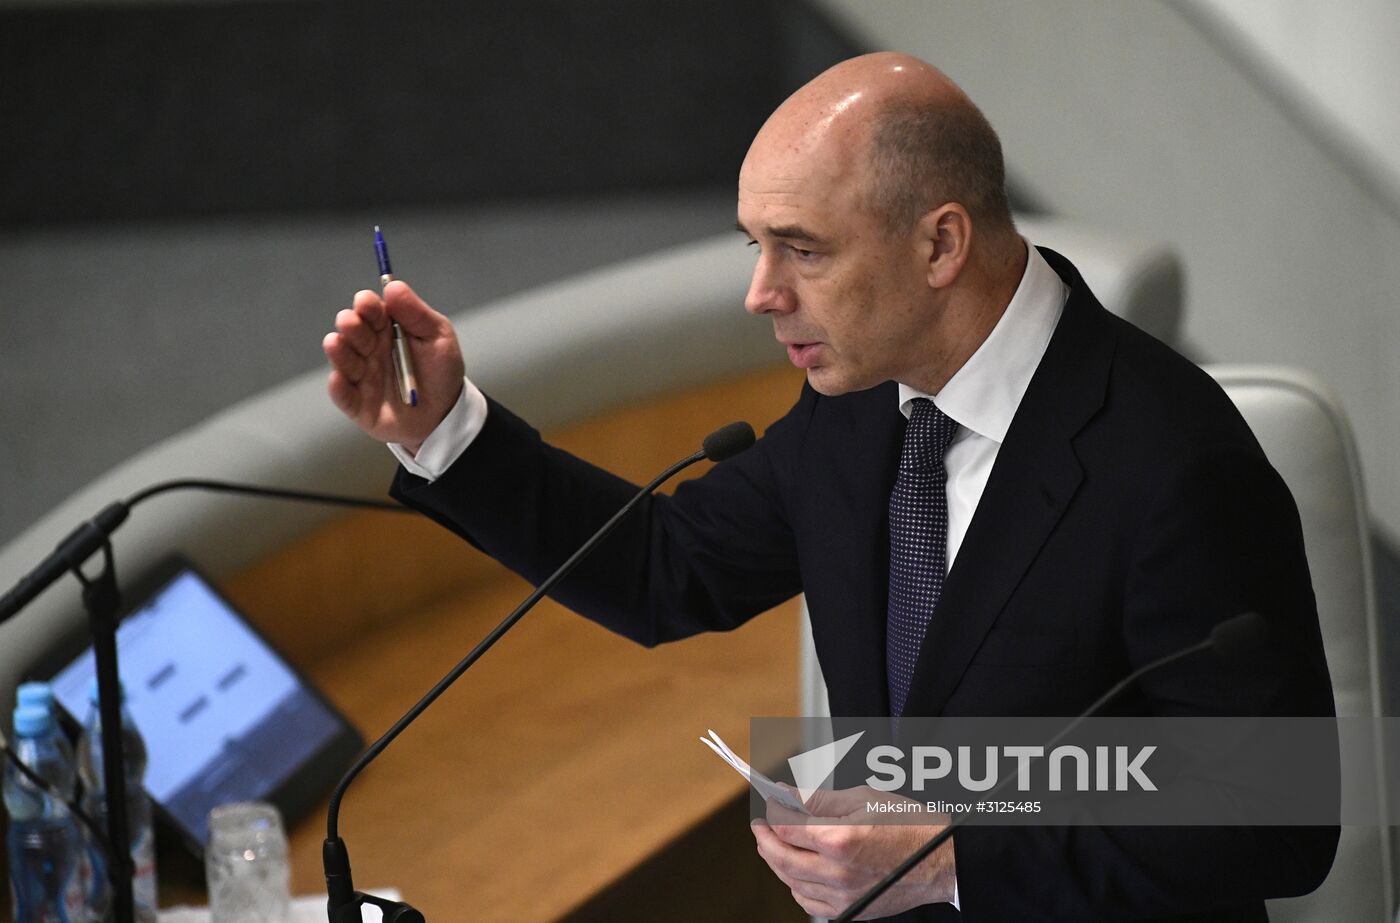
x: 954, y: 901
x: 450, y: 439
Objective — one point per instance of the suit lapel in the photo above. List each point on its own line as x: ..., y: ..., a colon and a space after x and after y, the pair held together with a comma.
x: 854, y: 464
x: 1032, y: 482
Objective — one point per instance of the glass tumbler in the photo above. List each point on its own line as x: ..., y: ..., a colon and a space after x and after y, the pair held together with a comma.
x: 245, y: 864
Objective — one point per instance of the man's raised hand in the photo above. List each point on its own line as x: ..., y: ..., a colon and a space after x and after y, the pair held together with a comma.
x: 362, y: 369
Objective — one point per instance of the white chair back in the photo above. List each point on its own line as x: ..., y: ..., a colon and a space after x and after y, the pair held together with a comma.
x: 1306, y: 436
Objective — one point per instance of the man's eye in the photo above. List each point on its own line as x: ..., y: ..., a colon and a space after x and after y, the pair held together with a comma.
x: 804, y: 254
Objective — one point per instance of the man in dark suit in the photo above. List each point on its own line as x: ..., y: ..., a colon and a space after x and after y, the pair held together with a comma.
x: 997, y: 498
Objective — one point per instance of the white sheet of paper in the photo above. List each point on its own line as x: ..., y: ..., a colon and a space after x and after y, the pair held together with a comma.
x: 761, y: 783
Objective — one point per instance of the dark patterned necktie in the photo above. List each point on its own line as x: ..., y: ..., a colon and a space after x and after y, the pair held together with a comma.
x: 918, y: 543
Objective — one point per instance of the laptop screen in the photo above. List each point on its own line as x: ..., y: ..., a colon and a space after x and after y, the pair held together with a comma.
x: 224, y: 717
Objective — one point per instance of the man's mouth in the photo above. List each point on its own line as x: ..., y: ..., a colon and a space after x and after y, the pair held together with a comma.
x: 803, y: 355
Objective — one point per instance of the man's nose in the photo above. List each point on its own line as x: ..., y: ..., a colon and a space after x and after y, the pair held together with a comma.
x: 767, y: 293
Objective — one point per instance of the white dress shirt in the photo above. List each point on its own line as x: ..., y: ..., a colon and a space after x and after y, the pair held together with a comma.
x: 446, y: 443
x: 983, y: 395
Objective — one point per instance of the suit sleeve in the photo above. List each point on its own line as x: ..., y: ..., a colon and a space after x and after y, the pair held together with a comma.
x: 710, y: 557
x: 1221, y: 538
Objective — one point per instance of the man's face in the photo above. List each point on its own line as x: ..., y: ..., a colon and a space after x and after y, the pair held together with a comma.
x: 848, y: 299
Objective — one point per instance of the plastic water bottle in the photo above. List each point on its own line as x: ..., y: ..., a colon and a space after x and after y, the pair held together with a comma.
x: 45, y: 847
x: 41, y: 694
x: 138, y: 806
x: 92, y: 864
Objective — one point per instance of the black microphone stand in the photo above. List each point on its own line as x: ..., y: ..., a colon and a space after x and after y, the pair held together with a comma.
x: 102, y: 599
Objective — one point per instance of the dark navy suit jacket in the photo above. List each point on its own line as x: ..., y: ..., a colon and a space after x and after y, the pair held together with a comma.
x: 1129, y: 510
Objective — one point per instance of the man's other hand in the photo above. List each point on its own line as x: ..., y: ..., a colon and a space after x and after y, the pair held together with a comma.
x: 362, y: 381
x: 833, y: 857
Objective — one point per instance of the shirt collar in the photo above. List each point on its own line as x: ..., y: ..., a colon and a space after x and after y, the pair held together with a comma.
x: 983, y: 395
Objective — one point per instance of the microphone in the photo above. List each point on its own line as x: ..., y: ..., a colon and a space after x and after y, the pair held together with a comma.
x: 1241, y: 635
x: 727, y: 441
x: 80, y: 544
x: 1232, y: 640
x: 342, y: 900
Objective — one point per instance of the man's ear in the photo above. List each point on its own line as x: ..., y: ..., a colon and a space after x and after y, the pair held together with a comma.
x: 946, y: 233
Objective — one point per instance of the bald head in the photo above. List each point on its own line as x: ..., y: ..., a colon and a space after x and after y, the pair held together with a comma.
x: 885, y: 248
x: 904, y: 133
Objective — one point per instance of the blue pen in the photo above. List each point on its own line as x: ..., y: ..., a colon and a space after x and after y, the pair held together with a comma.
x: 403, y: 364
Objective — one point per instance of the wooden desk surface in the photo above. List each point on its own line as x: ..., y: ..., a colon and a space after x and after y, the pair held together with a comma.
x: 566, y: 758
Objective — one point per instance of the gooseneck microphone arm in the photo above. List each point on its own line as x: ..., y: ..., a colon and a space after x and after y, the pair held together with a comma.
x: 274, y: 493
x: 89, y: 538
x: 1232, y: 638
x: 102, y: 599
x: 343, y: 900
